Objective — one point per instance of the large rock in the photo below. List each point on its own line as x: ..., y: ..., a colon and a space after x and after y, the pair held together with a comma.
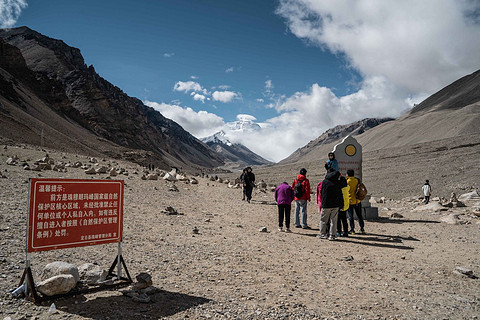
x: 59, y: 267
x: 152, y: 176
x: 470, y: 196
x: 60, y: 284
x: 91, y: 171
x: 168, y: 176
x: 432, y: 206
x: 451, y: 219
x: 91, y: 273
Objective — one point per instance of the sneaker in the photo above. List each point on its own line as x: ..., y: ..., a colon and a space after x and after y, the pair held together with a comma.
x: 322, y: 236
x: 351, y: 232
x: 288, y: 230
x: 338, y: 234
x: 345, y: 234
x: 306, y: 227
x: 362, y: 231
x: 280, y: 229
x: 331, y: 238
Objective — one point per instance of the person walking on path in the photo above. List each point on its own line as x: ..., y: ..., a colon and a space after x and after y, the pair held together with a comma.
x: 355, y: 204
x: 249, y: 183
x: 342, y: 213
x: 332, y: 201
x: 244, y: 185
x: 331, y: 163
x: 427, y: 191
x: 301, y: 188
x: 284, y: 197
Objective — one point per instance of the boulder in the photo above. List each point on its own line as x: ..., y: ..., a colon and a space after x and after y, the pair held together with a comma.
x: 91, y: 171
x: 193, y: 181
x: 59, y: 267
x: 262, y: 184
x: 101, y: 169
x: 12, y: 161
x: 173, y: 188
x: 60, y: 284
x: 181, y: 177
x: 432, y: 206
x: 169, y: 177
x: 470, y: 196
x: 91, y: 273
x: 152, y: 176
x: 113, y: 172
x: 396, y: 215
x: 451, y: 219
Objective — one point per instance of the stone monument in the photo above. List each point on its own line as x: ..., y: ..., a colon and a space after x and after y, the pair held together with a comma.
x: 349, y: 156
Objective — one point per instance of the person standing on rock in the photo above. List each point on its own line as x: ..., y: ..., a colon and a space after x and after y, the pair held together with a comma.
x: 355, y: 204
x: 332, y: 201
x: 331, y: 163
x: 284, y: 197
x: 301, y: 188
x: 244, y: 185
x: 427, y: 191
x: 249, y: 183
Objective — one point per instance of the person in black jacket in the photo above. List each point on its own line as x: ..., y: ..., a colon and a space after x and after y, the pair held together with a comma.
x: 244, y: 185
x: 249, y: 183
x: 332, y: 201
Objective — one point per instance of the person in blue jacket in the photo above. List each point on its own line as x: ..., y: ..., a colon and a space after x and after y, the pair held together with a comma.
x: 331, y: 163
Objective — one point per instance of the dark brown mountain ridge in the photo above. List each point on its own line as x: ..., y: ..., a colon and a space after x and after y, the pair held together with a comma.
x: 40, y: 75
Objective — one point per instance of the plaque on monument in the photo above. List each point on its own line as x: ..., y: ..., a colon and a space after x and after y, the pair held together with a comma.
x: 349, y: 156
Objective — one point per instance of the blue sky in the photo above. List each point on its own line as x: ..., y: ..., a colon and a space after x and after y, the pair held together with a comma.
x: 296, y: 67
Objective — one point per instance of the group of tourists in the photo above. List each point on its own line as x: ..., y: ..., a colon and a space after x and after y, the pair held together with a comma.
x: 337, y: 197
x: 248, y: 181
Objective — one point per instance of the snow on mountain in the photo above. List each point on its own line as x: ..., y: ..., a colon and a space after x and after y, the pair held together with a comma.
x: 244, y: 123
x: 219, y: 137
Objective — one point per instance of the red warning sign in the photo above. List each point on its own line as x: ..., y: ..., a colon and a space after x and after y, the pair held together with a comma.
x: 67, y: 213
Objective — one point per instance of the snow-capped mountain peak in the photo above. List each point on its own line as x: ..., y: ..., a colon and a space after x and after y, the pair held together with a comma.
x: 219, y: 137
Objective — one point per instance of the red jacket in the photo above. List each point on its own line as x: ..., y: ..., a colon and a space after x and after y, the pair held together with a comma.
x: 306, y: 187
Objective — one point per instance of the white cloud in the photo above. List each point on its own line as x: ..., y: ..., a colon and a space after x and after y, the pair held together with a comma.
x: 224, y: 96
x: 417, y: 46
x: 200, y: 124
x: 224, y: 87
x: 188, y: 86
x: 260, y: 100
x: 268, y: 85
x: 10, y: 11
x: 229, y: 70
x: 199, y: 97
x: 168, y: 55
x: 193, y: 77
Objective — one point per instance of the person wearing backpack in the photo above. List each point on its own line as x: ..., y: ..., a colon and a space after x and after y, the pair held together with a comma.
x: 355, y: 203
x: 301, y: 188
x: 342, y: 213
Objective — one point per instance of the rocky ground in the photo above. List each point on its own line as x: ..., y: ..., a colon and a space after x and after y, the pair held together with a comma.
x: 403, y: 268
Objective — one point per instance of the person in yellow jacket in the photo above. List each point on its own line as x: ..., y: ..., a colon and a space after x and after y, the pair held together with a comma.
x: 355, y: 204
x: 342, y: 212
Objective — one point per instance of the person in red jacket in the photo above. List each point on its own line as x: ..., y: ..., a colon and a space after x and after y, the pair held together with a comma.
x: 301, y: 188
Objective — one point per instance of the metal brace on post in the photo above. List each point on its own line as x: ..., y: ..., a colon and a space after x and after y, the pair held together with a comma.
x: 119, y: 262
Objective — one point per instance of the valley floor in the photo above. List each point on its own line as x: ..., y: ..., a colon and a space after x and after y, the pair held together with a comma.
x: 401, y: 269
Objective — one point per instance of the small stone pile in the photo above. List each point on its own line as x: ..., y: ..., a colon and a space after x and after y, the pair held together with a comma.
x: 142, y: 290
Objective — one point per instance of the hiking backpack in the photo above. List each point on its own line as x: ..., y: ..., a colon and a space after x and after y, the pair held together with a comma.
x: 361, y: 191
x: 298, y: 189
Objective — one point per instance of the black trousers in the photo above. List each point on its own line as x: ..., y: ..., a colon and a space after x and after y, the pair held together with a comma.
x: 248, y: 192
x: 342, y: 220
x: 284, y: 211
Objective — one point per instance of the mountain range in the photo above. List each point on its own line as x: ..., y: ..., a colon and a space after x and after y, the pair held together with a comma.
x: 237, y: 155
x: 48, y: 90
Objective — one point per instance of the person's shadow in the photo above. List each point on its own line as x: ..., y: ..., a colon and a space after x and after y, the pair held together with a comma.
x: 163, y: 304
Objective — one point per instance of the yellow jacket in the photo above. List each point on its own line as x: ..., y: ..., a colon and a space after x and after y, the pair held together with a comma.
x: 352, y: 183
x: 346, y: 198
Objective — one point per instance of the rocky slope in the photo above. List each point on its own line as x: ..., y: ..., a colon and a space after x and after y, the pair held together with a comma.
x: 46, y: 85
x: 236, y: 155
x: 308, y: 152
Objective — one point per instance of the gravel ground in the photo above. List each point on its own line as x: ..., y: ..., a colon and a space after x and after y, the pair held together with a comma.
x: 401, y: 269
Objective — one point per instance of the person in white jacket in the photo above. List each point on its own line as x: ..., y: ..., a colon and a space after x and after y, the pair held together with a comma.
x: 427, y: 191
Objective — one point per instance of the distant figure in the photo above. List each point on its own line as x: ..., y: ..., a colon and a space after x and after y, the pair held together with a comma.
x: 355, y: 204
x: 342, y: 213
x: 249, y: 183
x: 284, y: 197
x: 301, y: 189
x: 332, y: 201
x: 244, y: 185
x: 331, y: 163
x: 427, y: 191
